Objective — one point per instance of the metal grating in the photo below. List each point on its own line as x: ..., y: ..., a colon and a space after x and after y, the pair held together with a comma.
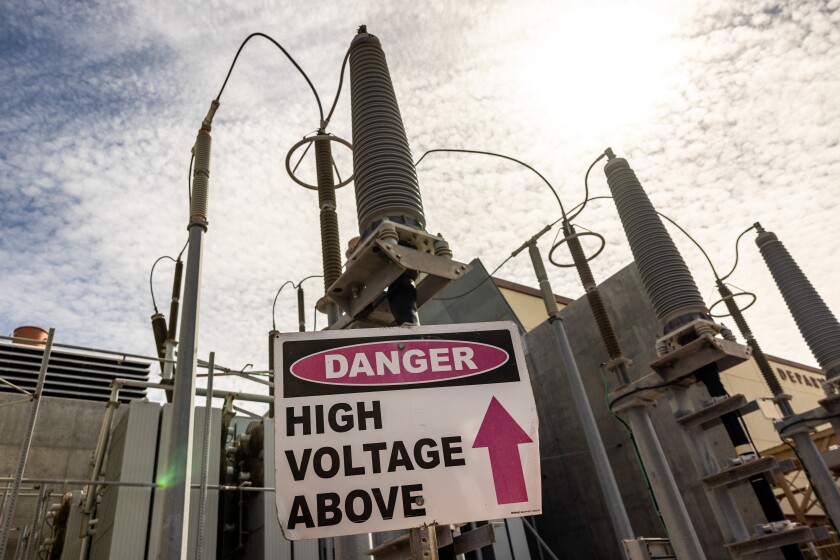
x: 71, y: 374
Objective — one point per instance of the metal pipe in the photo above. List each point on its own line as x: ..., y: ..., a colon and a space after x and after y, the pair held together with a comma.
x: 24, y: 447
x: 98, y: 460
x: 681, y: 532
x: 540, y: 541
x: 42, y: 496
x: 205, y: 457
x: 176, y: 498
x: 819, y: 475
x: 603, y: 470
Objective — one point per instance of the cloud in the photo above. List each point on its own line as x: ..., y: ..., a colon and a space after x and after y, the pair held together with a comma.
x: 726, y: 112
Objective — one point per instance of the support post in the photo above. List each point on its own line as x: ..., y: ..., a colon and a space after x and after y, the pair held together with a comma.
x: 603, y: 471
x: 681, y: 532
x: 205, y: 458
x: 24, y: 447
x: 819, y: 475
x: 176, y: 476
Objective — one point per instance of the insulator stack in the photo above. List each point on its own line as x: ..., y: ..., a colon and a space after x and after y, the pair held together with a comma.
x: 666, y: 277
x: 201, y: 175
x: 815, y: 320
x: 593, y: 296
x: 330, y: 242
x: 176, y: 300
x: 301, y: 310
x: 760, y: 359
x: 385, y: 178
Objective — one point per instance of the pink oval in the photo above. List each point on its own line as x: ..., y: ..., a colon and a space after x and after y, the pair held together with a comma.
x: 398, y: 362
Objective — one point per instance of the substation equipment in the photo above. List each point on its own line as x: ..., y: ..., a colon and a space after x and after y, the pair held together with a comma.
x: 396, y: 267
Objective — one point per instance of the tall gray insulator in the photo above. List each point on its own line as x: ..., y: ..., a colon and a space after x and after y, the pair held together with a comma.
x: 815, y: 320
x: 385, y: 178
x: 666, y: 278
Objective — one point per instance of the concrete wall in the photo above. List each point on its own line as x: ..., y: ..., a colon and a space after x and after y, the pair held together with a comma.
x: 62, y: 447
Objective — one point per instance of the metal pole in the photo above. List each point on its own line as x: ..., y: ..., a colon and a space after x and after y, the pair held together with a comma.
x: 176, y: 474
x: 202, y: 494
x: 821, y: 478
x: 42, y: 496
x: 603, y: 470
x: 681, y: 532
x: 98, y: 460
x: 24, y: 447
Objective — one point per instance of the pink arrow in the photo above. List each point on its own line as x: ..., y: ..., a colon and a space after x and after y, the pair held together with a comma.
x: 501, y: 435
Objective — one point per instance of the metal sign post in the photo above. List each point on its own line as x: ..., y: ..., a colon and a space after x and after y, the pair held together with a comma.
x: 400, y: 428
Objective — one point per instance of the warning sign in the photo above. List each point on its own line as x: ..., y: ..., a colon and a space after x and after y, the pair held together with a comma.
x: 384, y: 429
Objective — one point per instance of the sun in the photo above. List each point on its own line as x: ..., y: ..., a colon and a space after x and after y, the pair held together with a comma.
x: 601, y: 68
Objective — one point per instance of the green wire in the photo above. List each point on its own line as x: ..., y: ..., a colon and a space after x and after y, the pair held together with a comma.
x: 635, y: 449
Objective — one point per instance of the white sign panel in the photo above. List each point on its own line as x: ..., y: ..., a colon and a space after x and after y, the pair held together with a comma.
x: 384, y: 429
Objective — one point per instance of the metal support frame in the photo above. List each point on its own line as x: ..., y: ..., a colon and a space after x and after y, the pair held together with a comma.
x: 27, y: 441
x: 705, y: 463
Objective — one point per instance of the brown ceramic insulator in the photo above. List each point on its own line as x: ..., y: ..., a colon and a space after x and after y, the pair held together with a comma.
x: 763, y: 365
x: 593, y: 296
x: 330, y: 242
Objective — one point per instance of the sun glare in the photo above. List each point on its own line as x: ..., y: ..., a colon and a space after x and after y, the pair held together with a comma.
x: 601, y: 69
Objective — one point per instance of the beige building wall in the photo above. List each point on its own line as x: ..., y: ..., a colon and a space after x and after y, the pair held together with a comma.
x: 800, y: 381
x: 803, y: 383
x: 527, y: 303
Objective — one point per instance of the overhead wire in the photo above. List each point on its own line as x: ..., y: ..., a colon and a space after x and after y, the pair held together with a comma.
x: 734, y: 266
x: 494, y: 154
x: 285, y: 52
x: 294, y: 286
x: 151, y: 278
x: 586, y: 186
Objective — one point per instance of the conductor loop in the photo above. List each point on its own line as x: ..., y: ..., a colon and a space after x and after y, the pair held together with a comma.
x: 309, y: 140
x: 733, y: 296
x: 574, y: 236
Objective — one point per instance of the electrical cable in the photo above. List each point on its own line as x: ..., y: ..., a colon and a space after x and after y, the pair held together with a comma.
x: 151, y: 277
x: 294, y: 286
x: 736, y: 252
x: 474, y: 288
x: 338, y: 92
x: 586, y: 186
x: 459, y: 151
x: 636, y: 449
x: 189, y: 180
x: 640, y: 389
x: 273, y: 305
x: 292, y: 60
x: 184, y: 248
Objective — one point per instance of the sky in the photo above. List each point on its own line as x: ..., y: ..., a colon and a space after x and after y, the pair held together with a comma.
x: 728, y: 111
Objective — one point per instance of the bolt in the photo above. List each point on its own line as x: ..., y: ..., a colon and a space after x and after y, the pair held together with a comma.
x: 401, y: 345
x: 419, y: 501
